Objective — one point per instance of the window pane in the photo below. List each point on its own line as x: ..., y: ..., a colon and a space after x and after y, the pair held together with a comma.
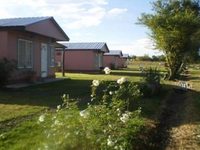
x: 28, y: 54
x: 21, y: 53
x: 25, y: 53
x: 52, y: 56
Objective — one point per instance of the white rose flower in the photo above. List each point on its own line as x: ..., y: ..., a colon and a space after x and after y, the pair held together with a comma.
x: 41, y: 118
x: 64, y: 96
x: 111, y: 93
x: 57, y: 122
x: 110, y: 142
x: 58, y: 107
x: 121, y: 80
x: 125, y: 117
x: 84, y: 113
x: 95, y: 83
x: 107, y: 70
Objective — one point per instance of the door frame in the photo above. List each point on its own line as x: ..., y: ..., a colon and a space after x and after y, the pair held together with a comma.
x: 44, y: 61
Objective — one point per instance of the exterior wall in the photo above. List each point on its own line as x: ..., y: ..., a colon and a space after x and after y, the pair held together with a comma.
x: 121, y: 62
x: 3, y: 44
x: 58, y: 58
x: 125, y: 62
x: 80, y: 60
x: 108, y: 61
x: 46, y: 27
x: 12, y: 53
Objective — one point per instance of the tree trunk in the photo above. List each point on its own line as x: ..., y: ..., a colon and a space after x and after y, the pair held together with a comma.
x: 175, y: 67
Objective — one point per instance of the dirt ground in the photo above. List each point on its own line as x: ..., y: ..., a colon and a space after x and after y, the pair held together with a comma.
x: 176, y: 129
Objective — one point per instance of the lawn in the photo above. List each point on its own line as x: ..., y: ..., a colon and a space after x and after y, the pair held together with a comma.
x: 20, y: 108
x: 25, y: 101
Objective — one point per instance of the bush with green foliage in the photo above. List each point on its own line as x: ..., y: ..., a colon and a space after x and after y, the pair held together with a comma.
x: 150, y: 85
x: 6, y: 68
x: 103, y: 126
x: 122, y: 90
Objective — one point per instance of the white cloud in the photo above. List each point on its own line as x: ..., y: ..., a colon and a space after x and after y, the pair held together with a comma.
x: 79, y: 13
x: 138, y: 47
x: 117, y: 11
x: 91, y: 17
x: 4, y: 14
x: 74, y: 14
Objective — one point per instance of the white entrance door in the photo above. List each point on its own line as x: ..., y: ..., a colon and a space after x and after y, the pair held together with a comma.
x: 44, y: 63
x: 100, y: 59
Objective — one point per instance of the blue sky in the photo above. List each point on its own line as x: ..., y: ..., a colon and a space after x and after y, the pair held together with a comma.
x: 111, y: 21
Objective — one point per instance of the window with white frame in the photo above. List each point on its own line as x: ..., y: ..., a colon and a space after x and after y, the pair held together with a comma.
x: 25, y: 53
x: 52, y: 56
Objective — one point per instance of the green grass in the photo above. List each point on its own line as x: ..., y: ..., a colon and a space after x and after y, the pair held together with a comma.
x: 16, y: 103
x: 21, y: 102
x: 24, y: 136
x: 12, y: 111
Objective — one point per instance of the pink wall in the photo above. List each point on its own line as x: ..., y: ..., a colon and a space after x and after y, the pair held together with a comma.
x: 121, y: 62
x: 58, y: 58
x: 108, y: 60
x: 3, y: 43
x: 78, y: 60
x: 46, y: 27
x: 11, y: 48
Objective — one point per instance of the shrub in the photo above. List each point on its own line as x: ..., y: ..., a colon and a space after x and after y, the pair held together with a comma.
x: 122, y: 90
x: 6, y: 68
x: 151, y: 82
x: 97, y: 127
x: 102, y: 126
x: 152, y: 76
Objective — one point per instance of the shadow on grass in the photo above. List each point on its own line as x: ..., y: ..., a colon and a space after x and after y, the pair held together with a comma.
x: 48, y: 95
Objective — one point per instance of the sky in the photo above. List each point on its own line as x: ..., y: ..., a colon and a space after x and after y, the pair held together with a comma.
x: 110, y: 21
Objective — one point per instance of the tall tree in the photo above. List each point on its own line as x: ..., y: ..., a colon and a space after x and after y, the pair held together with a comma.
x: 174, y: 26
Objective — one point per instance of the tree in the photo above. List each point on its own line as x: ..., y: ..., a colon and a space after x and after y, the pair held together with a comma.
x: 175, y: 30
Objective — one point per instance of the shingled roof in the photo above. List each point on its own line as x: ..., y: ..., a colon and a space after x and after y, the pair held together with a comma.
x: 24, y: 23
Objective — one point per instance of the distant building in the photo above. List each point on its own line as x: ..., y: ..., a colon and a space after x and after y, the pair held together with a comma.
x: 113, y: 59
x: 125, y: 60
x: 82, y: 56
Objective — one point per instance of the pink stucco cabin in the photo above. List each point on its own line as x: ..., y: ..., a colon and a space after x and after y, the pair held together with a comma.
x: 113, y: 59
x: 30, y: 42
x: 86, y: 57
x: 125, y: 60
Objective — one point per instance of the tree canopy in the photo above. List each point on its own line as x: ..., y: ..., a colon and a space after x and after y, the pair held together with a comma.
x: 174, y: 26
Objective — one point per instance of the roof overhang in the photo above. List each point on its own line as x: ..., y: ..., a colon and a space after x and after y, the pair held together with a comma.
x: 60, y: 47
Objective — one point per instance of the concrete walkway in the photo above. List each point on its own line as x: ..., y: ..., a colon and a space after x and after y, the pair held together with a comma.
x: 22, y: 85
